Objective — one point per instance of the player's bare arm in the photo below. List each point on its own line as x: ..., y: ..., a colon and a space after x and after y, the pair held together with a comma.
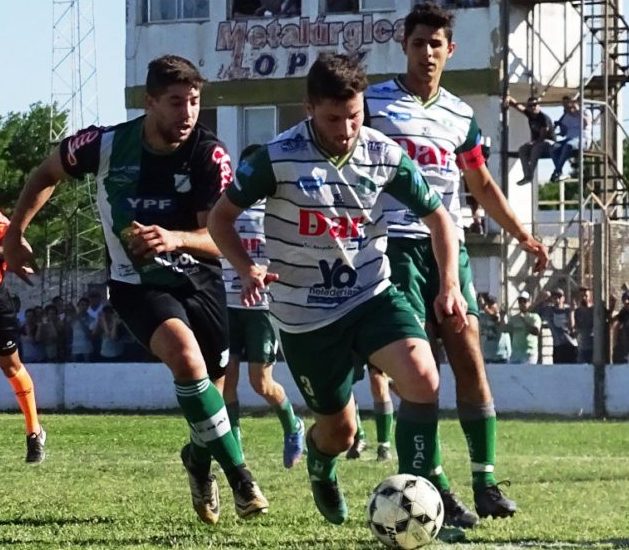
x: 149, y: 240
x: 35, y: 193
x: 488, y: 194
x: 450, y: 301
x: 253, y: 277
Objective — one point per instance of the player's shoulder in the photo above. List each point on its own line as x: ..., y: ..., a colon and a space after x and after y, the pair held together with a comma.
x: 454, y: 104
x: 387, y: 88
x: 293, y: 140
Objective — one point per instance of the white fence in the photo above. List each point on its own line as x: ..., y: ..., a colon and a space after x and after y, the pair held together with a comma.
x: 566, y: 390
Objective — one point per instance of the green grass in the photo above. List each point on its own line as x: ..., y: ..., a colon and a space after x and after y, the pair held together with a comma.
x: 115, y: 481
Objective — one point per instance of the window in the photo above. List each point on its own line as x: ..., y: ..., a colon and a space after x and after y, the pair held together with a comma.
x: 377, y: 5
x: 259, y: 125
x: 265, y: 8
x: 173, y: 10
x: 341, y: 6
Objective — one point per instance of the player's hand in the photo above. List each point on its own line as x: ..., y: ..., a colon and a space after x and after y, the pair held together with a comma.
x: 450, y: 303
x: 254, y: 281
x: 531, y: 245
x: 147, y: 241
x: 18, y: 256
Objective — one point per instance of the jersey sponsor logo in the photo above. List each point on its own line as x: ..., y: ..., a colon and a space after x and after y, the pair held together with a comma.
x: 124, y: 174
x: 428, y: 155
x: 150, y: 204
x: 182, y: 183
x: 313, y: 223
x: 398, y: 116
x: 310, y: 183
x: 220, y: 157
x: 383, y: 88
x: 77, y: 142
x: 338, y: 283
x: 176, y: 262
x: 374, y: 146
x: 294, y: 144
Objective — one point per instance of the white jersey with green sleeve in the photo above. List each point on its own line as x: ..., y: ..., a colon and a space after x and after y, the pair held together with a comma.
x: 250, y: 227
x: 325, y: 230
x: 440, y: 135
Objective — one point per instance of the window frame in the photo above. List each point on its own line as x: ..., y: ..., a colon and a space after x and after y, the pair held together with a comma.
x: 144, y: 13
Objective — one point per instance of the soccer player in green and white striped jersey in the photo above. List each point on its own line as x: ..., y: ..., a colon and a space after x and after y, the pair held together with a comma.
x: 331, y: 296
x: 440, y: 134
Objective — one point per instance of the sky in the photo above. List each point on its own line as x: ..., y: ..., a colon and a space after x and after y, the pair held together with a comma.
x: 26, y: 56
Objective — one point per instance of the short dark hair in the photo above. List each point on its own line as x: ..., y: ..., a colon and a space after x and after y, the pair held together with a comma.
x: 171, y: 69
x: 335, y: 76
x: 431, y: 15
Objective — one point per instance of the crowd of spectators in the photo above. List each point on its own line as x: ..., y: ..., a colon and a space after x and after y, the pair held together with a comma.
x: 88, y: 331
x: 516, y: 337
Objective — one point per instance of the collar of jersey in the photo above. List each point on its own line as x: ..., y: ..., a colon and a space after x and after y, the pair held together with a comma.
x: 430, y: 101
x: 335, y: 160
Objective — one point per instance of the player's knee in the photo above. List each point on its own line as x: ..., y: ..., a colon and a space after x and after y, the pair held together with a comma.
x: 338, y: 436
x: 261, y: 381
x: 420, y: 384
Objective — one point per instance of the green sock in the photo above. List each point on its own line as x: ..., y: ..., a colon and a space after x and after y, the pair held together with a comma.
x: 360, y: 431
x: 321, y: 467
x: 210, y: 431
x: 417, y: 442
x: 384, y: 421
x: 479, y: 426
x: 233, y: 412
x: 287, y: 417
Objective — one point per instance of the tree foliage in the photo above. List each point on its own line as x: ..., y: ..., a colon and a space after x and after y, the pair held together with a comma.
x: 57, y: 231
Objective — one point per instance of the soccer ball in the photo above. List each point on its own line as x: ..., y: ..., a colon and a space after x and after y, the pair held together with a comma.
x: 405, y: 511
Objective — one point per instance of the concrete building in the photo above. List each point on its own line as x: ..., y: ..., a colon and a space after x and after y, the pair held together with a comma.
x: 255, y: 60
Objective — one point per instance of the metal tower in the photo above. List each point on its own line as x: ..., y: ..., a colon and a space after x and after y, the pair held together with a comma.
x: 73, y: 80
x: 76, y: 246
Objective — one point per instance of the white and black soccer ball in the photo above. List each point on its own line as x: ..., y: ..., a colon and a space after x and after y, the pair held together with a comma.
x: 405, y: 511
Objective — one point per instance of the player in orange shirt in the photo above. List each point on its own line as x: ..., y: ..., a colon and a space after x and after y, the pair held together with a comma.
x: 14, y: 369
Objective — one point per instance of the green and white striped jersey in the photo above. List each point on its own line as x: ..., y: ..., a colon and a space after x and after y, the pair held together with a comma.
x: 440, y: 136
x: 250, y: 227
x: 325, y: 231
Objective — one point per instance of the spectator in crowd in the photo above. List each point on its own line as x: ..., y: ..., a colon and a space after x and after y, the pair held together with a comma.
x: 495, y: 341
x: 110, y: 332
x: 57, y: 301
x: 561, y: 324
x: 584, y: 326
x: 284, y: 8
x: 575, y: 127
x: 32, y: 350
x: 542, y: 136
x: 620, y: 332
x: 50, y: 333
x: 525, y: 327
x: 96, y: 304
x: 81, y: 346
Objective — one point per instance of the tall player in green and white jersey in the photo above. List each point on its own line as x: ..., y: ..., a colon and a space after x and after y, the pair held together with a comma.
x: 251, y: 336
x: 325, y: 239
x: 440, y: 134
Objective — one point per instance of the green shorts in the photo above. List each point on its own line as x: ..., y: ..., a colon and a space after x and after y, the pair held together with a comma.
x: 251, y: 335
x: 414, y: 271
x: 322, y: 361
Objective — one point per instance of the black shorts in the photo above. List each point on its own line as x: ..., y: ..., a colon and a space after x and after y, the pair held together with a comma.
x: 9, y: 326
x: 144, y: 308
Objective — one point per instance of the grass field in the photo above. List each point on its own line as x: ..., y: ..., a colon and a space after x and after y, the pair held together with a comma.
x: 115, y: 481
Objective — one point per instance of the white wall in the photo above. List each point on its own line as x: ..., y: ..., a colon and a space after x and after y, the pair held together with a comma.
x: 559, y: 389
